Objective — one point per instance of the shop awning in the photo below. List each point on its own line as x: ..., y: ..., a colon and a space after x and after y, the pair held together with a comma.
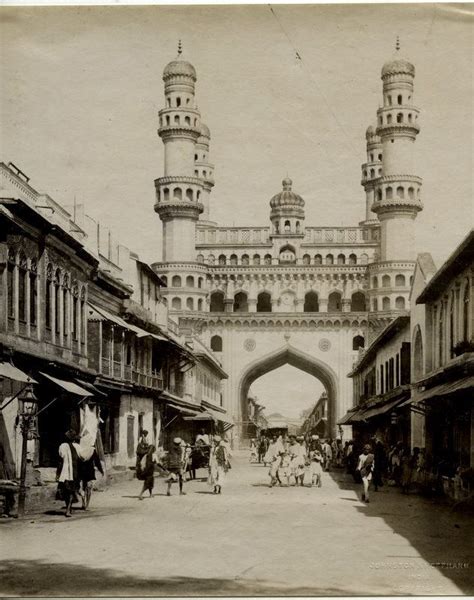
x: 101, y: 312
x: 346, y: 419
x: 177, y: 403
x: 11, y: 372
x: 445, y: 389
x: 204, y: 416
x: 381, y: 410
x: 91, y: 387
x: 69, y: 386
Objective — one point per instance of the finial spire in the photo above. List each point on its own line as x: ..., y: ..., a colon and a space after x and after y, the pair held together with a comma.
x: 397, y: 45
x: 180, y: 48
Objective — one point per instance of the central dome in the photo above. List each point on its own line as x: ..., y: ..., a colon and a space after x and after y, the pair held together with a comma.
x: 179, y: 67
x: 286, y: 197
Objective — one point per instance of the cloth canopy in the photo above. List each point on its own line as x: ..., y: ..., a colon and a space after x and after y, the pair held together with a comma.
x: 69, y: 386
x: 445, y: 389
x: 11, y: 372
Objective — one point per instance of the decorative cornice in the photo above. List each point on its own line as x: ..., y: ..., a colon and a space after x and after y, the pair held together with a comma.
x: 396, y: 205
x: 178, y: 131
x: 179, y: 209
x: 178, y: 179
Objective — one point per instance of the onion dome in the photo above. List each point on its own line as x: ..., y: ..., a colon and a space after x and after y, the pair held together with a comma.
x: 205, y: 132
x: 398, y: 66
x: 287, y: 197
x: 179, y: 67
x: 370, y: 132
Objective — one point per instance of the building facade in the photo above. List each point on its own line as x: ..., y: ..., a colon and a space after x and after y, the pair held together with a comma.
x: 288, y: 292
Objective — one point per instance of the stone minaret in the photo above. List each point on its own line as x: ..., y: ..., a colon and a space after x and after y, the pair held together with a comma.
x: 204, y: 169
x: 179, y: 192
x: 397, y: 200
x: 371, y: 171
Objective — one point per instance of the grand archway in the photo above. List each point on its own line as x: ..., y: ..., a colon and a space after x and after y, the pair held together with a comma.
x: 296, y: 358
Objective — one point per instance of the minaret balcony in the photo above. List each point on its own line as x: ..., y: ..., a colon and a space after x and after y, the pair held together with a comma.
x: 396, y: 205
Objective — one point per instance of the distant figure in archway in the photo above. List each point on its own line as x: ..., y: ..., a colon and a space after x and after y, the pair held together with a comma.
x: 365, y: 468
x: 316, y: 461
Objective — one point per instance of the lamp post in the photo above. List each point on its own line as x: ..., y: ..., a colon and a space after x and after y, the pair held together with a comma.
x: 27, y: 412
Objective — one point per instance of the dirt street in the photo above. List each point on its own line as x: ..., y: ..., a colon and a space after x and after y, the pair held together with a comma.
x: 251, y: 540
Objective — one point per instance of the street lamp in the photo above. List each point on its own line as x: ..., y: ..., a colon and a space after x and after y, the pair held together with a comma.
x: 26, y: 412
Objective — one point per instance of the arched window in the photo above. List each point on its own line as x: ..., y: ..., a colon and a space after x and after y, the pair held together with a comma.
x: 176, y: 119
x: 375, y: 283
x: 177, y: 194
x: 380, y: 157
x: 385, y: 303
x: 287, y: 254
x: 222, y: 260
x: 411, y: 193
x: 256, y: 259
x: 245, y: 259
x: 297, y: 227
x: 176, y: 304
x: 190, y: 281
x: 441, y: 334
x: 11, y: 283
x: 318, y: 259
x: 329, y: 259
x: 217, y: 301
x: 341, y: 259
x: 167, y: 119
x: 389, y: 193
x: 358, y: 342
x: 306, y: 259
x: 65, y: 288
x: 241, y: 302
x: 375, y: 305
x: 176, y: 281
x: 386, y: 281
x: 358, y: 302
x: 49, y: 293
x: 400, y: 303
x: 389, y: 100
x: 75, y: 316
x: 400, y: 280
x: 233, y: 259
x: 389, y: 119
x: 418, y: 359
x: 211, y: 259
x: 178, y: 101
x: 334, y: 302
x: 189, y: 195
x: 287, y: 227
x: 198, y: 195
x: 372, y: 173
x: 22, y: 285
x: 190, y: 303
x: 379, y: 195
x: 400, y: 192
x: 352, y: 259
x: 57, y: 295
x: 187, y: 121
x: 33, y: 292
x: 364, y: 259
x: 311, y: 302
x: 400, y: 118
x: 166, y: 194
x: 165, y: 279
x: 264, y: 302
x: 267, y: 260
x: 200, y: 258
x: 200, y: 280
x: 466, y: 311
x: 216, y: 343
x: 452, y: 332
x: 200, y: 304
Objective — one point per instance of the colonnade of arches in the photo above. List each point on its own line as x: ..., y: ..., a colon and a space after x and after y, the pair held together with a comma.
x: 356, y: 303
x: 266, y: 259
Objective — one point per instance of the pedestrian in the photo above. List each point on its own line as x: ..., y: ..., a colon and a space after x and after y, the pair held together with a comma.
x: 87, y: 464
x: 253, y: 451
x: 365, y: 468
x: 315, y: 466
x: 284, y: 471
x: 262, y: 448
x: 219, y: 464
x: 327, y: 454
x: 380, y: 465
x: 299, y: 461
x: 176, y: 466
x: 146, y: 472
x: 67, y: 474
x: 272, y: 458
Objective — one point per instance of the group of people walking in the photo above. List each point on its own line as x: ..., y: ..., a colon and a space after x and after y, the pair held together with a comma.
x: 176, y: 462
x: 296, y: 461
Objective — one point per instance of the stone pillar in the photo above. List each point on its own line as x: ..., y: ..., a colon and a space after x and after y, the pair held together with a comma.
x: 229, y: 305
x: 323, y: 305
x: 252, y: 304
x: 346, y: 305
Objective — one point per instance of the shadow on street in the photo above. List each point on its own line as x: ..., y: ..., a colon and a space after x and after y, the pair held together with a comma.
x: 441, y: 537
x: 40, y: 578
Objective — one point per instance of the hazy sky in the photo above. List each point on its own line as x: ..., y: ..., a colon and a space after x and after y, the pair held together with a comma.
x: 81, y: 88
x: 287, y: 390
